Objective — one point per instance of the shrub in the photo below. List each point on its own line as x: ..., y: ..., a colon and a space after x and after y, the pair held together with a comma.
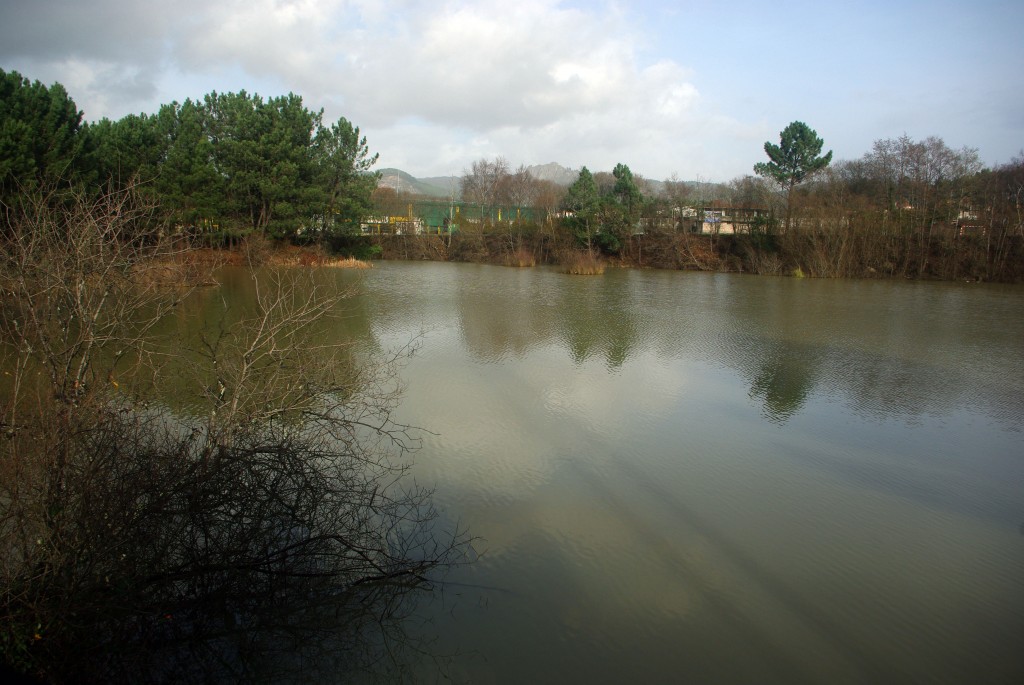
x: 521, y: 257
x: 267, y: 525
x: 583, y: 264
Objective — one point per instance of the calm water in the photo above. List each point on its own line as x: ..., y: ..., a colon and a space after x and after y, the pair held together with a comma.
x: 716, y: 478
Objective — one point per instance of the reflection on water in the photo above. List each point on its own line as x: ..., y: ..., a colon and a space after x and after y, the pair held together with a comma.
x: 717, y: 478
x: 783, y: 382
x: 885, y: 348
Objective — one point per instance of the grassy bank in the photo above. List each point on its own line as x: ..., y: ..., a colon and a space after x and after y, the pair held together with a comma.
x: 853, y: 252
x: 263, y: 252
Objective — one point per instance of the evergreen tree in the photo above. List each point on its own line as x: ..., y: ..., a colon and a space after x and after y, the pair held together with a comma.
x: 262, y: 149
x: 624, y: 208
x: 583, y: 201
x: 626, y: 192
x: 793, y: 161
x: 40, y: 141
x: 343, y: 163
x: 189, y: 185
x: 130, y: 148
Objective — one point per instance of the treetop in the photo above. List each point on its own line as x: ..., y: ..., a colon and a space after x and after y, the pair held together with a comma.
x: 796, y: 158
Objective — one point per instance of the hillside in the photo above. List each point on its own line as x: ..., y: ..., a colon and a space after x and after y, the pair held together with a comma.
x: 449, y: 186
x: 405, y: 182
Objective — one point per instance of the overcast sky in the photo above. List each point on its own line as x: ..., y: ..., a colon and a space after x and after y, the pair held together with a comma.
x: 693, y: 88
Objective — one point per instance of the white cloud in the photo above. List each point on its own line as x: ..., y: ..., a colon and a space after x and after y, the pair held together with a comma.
x: 436, y: 85
x: 533, y: 81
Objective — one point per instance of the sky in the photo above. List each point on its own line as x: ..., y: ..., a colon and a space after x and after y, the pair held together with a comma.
x: 691, y: 88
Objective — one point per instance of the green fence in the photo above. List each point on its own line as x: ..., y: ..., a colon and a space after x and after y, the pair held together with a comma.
x: 438, y: 215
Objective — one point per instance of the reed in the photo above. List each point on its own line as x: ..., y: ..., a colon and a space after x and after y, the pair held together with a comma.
x: 583, y: 264
x: 346, y: 263
x: 521, y: 258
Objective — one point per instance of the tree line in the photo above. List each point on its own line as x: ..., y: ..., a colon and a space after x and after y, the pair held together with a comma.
x: 228, y: 161
x: 234, y: 163
x: 906, y: 208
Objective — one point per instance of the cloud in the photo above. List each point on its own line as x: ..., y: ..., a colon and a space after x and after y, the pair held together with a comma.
x: 481, y: 65
x: 579, y: 82
x: 111, y: 55
x: 106, y: 30
x: 534, y: 80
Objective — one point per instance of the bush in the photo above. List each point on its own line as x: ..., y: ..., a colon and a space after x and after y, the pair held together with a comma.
x: 266, y: 526
x: 521, y: 257
x: 583, y: 264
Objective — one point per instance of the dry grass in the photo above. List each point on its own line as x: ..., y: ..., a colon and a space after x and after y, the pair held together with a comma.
x: 257, y: 250
x: 293, y: 255
x: 346, y: 263
x: 521, y: 258
x: 185, y: 268
x: 583, y: 264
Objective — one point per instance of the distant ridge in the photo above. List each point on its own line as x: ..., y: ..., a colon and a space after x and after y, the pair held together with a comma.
x: 447, y: 186
x: 404, y: 182
x: 450, y: 186
x: 554, y: 172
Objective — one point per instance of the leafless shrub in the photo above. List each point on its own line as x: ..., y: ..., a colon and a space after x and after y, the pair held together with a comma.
x: 582, y: 263
x: 264, y: 525
x: 521, y: 257
x: 762, y: 262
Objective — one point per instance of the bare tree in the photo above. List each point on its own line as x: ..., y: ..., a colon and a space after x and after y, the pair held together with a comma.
x: 482, y: 183
x: 678, y: 195
x: 549, y: 199
x: 254, y: 518
x: 518, y: 189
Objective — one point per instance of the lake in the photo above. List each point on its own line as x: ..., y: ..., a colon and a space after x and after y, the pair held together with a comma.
x: 714, y: 478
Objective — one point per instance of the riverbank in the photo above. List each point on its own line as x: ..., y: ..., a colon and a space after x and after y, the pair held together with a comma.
x: 263, y: 252
x: 816, y: 254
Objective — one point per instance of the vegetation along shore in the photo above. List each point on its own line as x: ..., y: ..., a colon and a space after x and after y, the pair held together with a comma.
x: 229, y: 166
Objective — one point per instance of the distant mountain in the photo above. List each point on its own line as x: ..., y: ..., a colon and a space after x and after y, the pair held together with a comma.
x: 554, y: 172
x: 447, y: 186
x: 404, y: 182
x: 444, y: 186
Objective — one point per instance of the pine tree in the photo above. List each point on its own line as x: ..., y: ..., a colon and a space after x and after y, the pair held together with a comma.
x: 793, y: 161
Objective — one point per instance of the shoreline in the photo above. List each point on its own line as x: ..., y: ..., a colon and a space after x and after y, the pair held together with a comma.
x: 966, y: 259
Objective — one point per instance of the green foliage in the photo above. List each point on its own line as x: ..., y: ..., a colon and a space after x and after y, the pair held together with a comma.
x: 242, y: 163
x: 343, y: 163
x: 793, y: 161
x: 583, y: 202
x: 582, y: 197
x: 622, y: 209
x: 762, y: 228
x: 626, y: 193
x: 603, y: 219
x: 189, y: 184
x: 609, y: 239
x: 39, y: 135
x: 355, y: 246
x: 232, y: 161
x: 128, y: 148
x: 796, y: 158
x: 263, y: 151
